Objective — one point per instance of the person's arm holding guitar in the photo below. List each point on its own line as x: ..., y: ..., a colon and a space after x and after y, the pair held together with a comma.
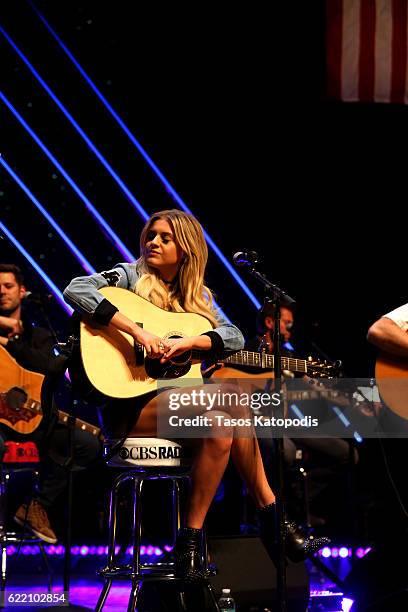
x: 389, y: 333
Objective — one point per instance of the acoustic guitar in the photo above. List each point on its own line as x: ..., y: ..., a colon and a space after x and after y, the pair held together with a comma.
x: 118, y: 367
x: 20, y: 398
x: 391, y: 373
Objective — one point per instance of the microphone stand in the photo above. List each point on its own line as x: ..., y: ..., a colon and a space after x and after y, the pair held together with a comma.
x: 275, y: 295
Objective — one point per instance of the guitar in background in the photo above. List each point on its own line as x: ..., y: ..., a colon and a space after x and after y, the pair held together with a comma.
x: 20, y: 399
x: 391, y: 373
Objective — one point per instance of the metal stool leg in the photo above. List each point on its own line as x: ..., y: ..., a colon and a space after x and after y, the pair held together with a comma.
x: 104, y: 594
x: 134, y: 594
x: 182, y: 601
x: 3, y: 566
x: 47, y: 565
x: 212, y: 597
x: 137, y: 524
x: 113, y: 507
x: 137, y: 536
x: 176, y: 507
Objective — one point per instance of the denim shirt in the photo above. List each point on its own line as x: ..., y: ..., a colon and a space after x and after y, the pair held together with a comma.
x: 83, y: 295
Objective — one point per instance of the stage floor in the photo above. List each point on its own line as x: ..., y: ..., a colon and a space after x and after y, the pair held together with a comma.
x: 85, y: 590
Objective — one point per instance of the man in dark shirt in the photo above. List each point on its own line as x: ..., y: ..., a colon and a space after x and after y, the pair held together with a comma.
x: 326, y: 457
x: 32, y: 348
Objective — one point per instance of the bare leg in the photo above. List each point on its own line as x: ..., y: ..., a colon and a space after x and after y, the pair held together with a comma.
x: 211, y: 457
x: 247, y: 458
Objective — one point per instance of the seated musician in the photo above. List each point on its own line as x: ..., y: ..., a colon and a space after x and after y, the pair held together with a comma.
x: 387, y: 466
x: 31, y: 347
x: 325, y: 459
x: 170, y: 274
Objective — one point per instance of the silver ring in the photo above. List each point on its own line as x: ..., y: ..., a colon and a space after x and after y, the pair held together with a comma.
x: 161, y: 346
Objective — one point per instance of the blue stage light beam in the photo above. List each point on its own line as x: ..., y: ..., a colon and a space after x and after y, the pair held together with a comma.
x: 80, y: 257
x: 346, y: 422
x: 77, y: 127
x: 297, y: 411
x: 52, y: 286
x: 169, y: 188
x: 106, y: 228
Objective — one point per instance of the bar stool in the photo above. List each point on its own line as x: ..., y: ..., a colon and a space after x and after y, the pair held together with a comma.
x: 19, y: 457
x: 145, y: 459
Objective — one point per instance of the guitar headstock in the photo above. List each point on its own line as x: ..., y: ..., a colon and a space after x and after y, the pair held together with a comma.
x: 322, y: 368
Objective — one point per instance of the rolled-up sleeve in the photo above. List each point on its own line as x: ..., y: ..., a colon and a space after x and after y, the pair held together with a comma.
x: 231, y: 336
x: 399, y: 316
x: 83, y: 294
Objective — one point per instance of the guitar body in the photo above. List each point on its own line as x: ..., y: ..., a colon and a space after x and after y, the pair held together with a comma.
x: 391, y: 374
x: 116, y: 368
x: 12, y: 375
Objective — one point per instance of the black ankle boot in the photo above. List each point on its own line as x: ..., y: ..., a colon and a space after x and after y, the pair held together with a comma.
x: 188, y: 555
x: 298, y: 545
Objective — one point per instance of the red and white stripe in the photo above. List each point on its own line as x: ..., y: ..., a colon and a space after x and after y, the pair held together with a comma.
x: 366, y: 42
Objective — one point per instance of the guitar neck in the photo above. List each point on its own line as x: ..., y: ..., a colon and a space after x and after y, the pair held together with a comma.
x: 265, y: 361
x: 64, y: 417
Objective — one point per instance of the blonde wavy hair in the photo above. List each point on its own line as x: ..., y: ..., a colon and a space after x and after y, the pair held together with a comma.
x: 188, y: 293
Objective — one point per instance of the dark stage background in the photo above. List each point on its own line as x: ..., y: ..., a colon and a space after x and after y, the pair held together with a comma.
x: 230, y: 104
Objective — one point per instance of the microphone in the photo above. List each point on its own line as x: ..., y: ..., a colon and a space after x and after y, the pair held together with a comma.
x: 37, y: 298
x: 245, y: 258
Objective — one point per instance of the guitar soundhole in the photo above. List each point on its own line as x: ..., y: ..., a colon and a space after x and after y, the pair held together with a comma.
x: 15, y: 398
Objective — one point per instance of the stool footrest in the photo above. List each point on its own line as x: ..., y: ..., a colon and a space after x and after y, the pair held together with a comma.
x: 155, y: 571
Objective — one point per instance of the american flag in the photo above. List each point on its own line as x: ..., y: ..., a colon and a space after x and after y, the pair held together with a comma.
x: 367, y: 50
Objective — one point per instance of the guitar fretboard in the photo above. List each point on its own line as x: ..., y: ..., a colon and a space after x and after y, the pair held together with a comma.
x: 32, y: 405
x: 265, y: 361
x: 64, y: 417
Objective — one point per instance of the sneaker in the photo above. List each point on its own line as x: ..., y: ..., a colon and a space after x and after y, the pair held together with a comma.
x: 36, y: 519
